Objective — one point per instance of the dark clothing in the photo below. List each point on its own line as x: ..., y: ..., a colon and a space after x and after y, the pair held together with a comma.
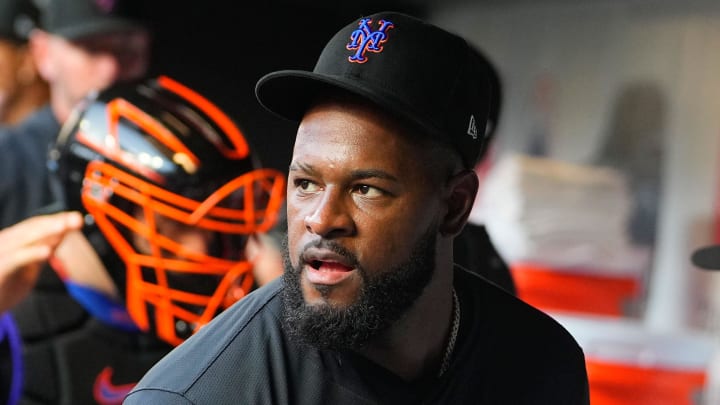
x: 23, y: 155
x: 70, y: 358
x: 507, y: 353
x: 474, y: 251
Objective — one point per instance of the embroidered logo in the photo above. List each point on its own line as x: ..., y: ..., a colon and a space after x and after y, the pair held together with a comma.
x: 107, y: 393
x: 472, y: 127
x: 364, y: 39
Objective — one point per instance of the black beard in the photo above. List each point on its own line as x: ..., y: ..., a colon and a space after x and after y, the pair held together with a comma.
x: 383, y: 299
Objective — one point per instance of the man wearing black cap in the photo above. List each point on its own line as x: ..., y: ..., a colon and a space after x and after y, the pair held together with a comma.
x: 370, y: 308
x: 81, y: 46
x: 22, y: 90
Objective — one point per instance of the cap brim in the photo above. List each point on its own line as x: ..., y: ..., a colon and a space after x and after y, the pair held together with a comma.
x: 98, y: 27
x: 707, y: 258
x: 289, y: 93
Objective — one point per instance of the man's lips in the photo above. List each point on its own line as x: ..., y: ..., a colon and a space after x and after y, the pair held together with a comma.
x: 326, y: 267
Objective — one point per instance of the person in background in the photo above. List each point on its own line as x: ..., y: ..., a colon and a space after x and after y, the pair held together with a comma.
x: 371, y: 308
x: 22, y: 90
x: 159, y: 193
x: 81, y: 46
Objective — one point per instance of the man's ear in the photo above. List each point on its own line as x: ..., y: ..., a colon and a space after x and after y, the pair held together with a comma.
x: 461, y: 191
x: 39, y: 45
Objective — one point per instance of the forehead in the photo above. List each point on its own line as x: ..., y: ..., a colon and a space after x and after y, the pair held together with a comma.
x: 342, y: 133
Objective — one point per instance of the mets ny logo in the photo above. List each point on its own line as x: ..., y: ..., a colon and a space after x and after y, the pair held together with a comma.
x: 364, y: 39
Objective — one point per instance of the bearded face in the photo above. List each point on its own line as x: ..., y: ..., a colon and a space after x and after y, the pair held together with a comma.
x: 383, y: 299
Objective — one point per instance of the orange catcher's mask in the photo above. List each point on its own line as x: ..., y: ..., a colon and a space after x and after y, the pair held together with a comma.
x: 170, y: 192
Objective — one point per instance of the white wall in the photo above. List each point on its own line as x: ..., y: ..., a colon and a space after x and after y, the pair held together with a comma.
x: 586, y: 54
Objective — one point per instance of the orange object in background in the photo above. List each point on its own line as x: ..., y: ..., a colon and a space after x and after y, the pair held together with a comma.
x: 552, y: 289
x: 629, y: 363
x: 624, y: 384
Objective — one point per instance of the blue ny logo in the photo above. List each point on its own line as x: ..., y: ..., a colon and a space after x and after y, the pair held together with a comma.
x: 363, y: 39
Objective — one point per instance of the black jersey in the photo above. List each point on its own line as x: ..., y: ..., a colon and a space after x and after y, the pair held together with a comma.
x: 474, y: 250
x: 507, y: 353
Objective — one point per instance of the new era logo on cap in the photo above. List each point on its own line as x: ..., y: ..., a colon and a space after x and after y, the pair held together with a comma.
x: 472, y: 128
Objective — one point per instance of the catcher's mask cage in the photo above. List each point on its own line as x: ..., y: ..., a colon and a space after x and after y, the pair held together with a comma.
x: 157, y: 152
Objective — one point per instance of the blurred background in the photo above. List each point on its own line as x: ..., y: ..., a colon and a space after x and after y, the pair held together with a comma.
x: 604, y: 175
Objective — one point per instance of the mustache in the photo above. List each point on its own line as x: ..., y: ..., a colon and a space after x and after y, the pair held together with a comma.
x: 332, y: 246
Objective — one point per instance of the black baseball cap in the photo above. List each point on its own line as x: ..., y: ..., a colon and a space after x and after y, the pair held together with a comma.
x: 17, y: 19
x: 707, y: 258
x: 419, y: 72
x: 77, y: 19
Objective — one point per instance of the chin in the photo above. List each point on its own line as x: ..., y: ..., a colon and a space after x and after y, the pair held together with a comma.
x: 337, y: 295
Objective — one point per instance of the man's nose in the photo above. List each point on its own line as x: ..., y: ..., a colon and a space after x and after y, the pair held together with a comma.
x: 330, y: 217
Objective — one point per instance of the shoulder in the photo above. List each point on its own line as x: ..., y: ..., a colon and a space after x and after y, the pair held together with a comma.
x: 41, y: 127
x: 33, y: 135
x: 507, y: 340
x: 7, y: 136
x: 221, y: 348
x: 507, y: 320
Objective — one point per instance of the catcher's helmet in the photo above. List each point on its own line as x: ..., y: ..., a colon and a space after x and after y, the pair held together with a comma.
x: 157, y: 153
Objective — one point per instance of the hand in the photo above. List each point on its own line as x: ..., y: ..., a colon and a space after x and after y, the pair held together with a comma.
x: 24, y: 247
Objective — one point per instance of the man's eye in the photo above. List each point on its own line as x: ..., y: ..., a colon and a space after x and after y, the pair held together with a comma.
x: 305, y: 185
x: 368, y: 191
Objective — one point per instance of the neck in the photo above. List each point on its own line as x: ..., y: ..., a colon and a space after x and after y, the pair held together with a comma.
x: 415, y: 345
x: 61, y: 107
x: 29, y: 99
